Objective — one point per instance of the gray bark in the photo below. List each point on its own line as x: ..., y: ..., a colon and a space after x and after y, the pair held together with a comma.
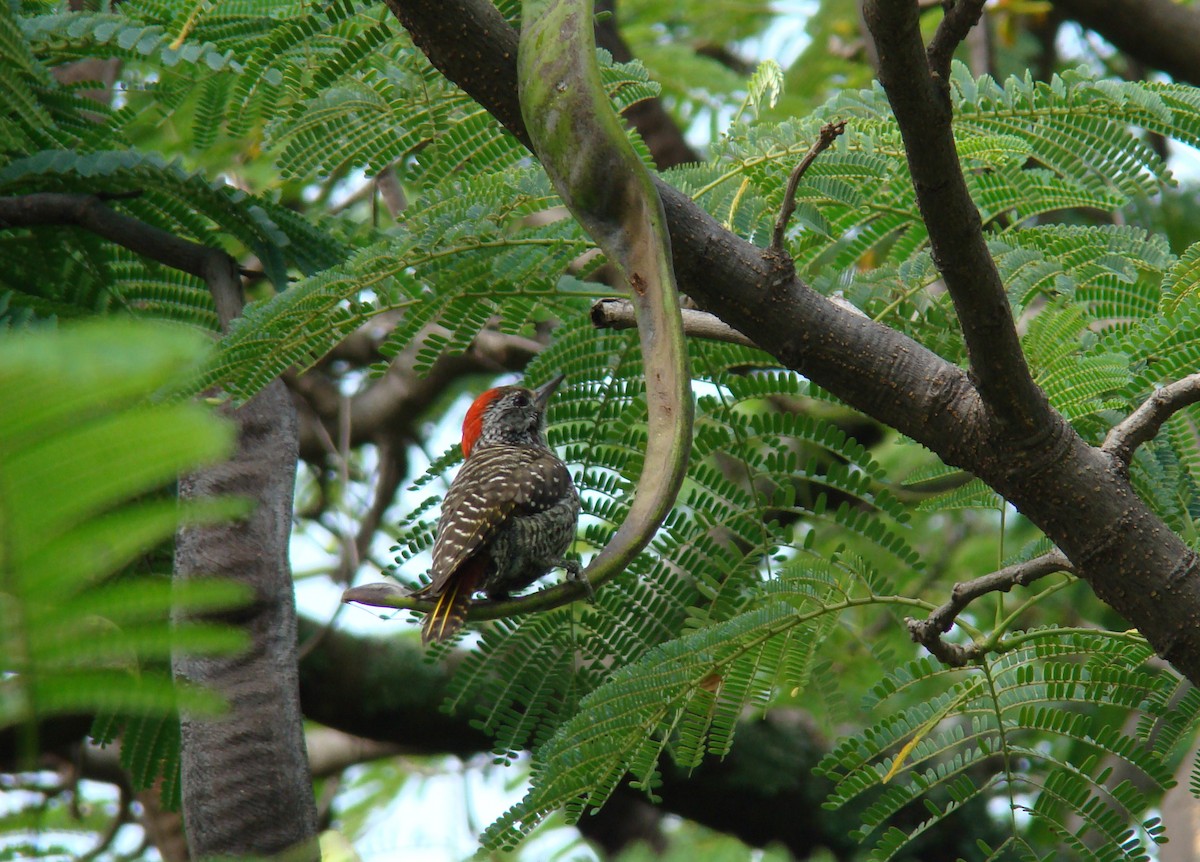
x: 247, y: 790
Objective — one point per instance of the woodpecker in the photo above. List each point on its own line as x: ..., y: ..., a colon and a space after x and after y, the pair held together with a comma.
x: 510, y: 513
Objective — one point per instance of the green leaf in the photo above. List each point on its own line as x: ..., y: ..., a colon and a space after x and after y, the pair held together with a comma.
x: 84, y: 464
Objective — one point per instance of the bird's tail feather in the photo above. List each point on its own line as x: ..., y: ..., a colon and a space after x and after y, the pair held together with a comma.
x: 450, y: 613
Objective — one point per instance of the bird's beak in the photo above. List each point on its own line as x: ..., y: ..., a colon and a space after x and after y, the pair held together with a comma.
x: 541, y: 395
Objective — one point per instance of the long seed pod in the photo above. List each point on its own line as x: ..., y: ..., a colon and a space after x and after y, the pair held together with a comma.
x: 583, y: 147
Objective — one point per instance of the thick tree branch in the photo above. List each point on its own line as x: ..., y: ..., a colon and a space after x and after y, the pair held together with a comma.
x: 1143, y: 424
x: 928, y: 632
x: 919, y: 96
x: 246, y: 786
x: 383, y: 689
x: 1077, y: 494
x: 164, y: 827
x: 332, y: 751
x: 880, y: 371
x: 91, y: 213
x: 1163, y: 34
x: 661, y: 134
x: 234, y: 807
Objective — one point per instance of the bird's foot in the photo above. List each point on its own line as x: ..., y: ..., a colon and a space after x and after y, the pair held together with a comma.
x: 575, y: 573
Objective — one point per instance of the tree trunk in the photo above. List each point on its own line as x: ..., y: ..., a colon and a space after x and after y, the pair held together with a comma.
x: 246, y: 784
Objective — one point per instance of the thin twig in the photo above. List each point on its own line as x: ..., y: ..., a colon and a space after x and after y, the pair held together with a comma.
x: 829, y: 132
x: 928, y: 632
x: 618, y: 314
x: 1143, y: 424
x: 391, y: 473
x: 961, y: 16
x: 382, y: 594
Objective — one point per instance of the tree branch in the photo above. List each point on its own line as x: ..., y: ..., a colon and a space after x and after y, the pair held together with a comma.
x: 349, y: 682
x: 928, y: 632
x: 385, y: 594
x: 118, y: 819
x: 584, y: 149
x: 1076, y: 494
x: 870, y: 366
x: 391, y: 406
x: 246, y: 785
x: 1143, y: 424
x: 228, y: 814
x: 618, y: 314
x: 1161, y: 33
x: 920, y: 100
x: 829, y: 133
x: 663, y: 137
x: 333, y: 751
x: 91, y: 213
x: 960, y: 17
x: 393, y: 467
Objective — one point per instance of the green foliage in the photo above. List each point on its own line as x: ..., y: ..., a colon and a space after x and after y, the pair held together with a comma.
x: 704, y: 575
x: 1046, y: 713
x: 150, y: 750
x: 697, y: 843
x: 1028, y: 149
x: 701, y: 605
x: 783, y: 574
x: 691, y: 618
x: 62, y: 37
x: 687, y: 695
x: 55, y: 144
x: 80, y: 465
x: 664, y: 38
x: 476, y: 238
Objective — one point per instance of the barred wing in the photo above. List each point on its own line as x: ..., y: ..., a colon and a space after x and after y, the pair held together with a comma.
x: 496, y: 483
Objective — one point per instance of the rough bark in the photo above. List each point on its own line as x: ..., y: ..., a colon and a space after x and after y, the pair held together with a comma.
x: 1078, y: 495
x: 246, y: 784
x: 916, y: 82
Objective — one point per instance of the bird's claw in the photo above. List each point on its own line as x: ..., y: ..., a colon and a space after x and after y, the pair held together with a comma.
x: 575, y: 573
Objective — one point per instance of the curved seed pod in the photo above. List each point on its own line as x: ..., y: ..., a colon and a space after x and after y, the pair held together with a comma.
x: 583, y: 147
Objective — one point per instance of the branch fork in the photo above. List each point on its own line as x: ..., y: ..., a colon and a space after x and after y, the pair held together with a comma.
x: 1143, y: 424
x: 928, y: 632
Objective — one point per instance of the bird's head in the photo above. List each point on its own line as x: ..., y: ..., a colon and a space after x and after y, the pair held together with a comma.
x: 508, y: 414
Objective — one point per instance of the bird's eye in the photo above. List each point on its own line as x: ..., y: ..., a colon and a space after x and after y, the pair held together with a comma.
x: 520, y: 400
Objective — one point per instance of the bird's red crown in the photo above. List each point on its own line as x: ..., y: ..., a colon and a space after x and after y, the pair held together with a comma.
x: 472, y: 425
